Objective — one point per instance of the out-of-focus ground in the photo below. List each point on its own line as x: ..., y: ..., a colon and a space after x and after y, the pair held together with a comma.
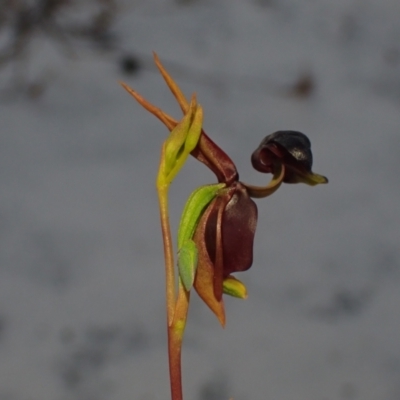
x: 81, y: 267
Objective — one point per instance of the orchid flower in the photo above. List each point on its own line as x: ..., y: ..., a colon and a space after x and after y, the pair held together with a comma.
x: 218, y: 223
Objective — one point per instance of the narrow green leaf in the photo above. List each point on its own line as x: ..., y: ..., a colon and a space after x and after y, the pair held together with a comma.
x: 193, y: 210
x: 187, y: 263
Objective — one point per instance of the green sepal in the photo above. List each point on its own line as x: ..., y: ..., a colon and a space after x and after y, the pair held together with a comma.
x: 235, y: 288
x: 195, y: 130
x: 174, y: 144
x: 193, y: 210
x: 181, y: 141
x: 187, y: 263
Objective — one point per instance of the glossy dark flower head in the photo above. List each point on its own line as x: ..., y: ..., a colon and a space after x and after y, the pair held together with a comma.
x: 291, y: 149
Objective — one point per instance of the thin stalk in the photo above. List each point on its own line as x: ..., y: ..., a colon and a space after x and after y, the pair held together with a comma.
x: 168, y: 252
x: 175, y: 339
x: 176, y: 309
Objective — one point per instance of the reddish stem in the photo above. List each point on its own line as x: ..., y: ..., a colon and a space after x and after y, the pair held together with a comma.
x: 176, y: 309
x: 175, y: 338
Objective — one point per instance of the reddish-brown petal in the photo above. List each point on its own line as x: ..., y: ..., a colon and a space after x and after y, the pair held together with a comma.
x: 214, y: 239
x: 204, y: 280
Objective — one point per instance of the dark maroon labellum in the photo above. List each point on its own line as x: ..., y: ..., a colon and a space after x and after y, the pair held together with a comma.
x: 229, y: 233
x: 238, y: 228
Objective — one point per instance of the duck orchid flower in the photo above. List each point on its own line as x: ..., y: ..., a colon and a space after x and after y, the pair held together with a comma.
x: 218, y: 224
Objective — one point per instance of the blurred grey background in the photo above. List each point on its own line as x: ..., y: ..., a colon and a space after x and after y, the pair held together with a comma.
x: 82, y: 312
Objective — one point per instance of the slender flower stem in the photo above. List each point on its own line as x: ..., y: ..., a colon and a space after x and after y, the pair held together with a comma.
x: 177, y: 308
x: 175, y: 338
x: 168, y: 252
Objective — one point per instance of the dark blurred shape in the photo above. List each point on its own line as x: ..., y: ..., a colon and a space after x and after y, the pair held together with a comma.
x: 304, y: 86
x: 25, y: 20
x: 35, y: 90
x: 98, y: 28
x: 130, y: 64
x: 344, y: 303
x: 88, y: 353
x: 347, y: 303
